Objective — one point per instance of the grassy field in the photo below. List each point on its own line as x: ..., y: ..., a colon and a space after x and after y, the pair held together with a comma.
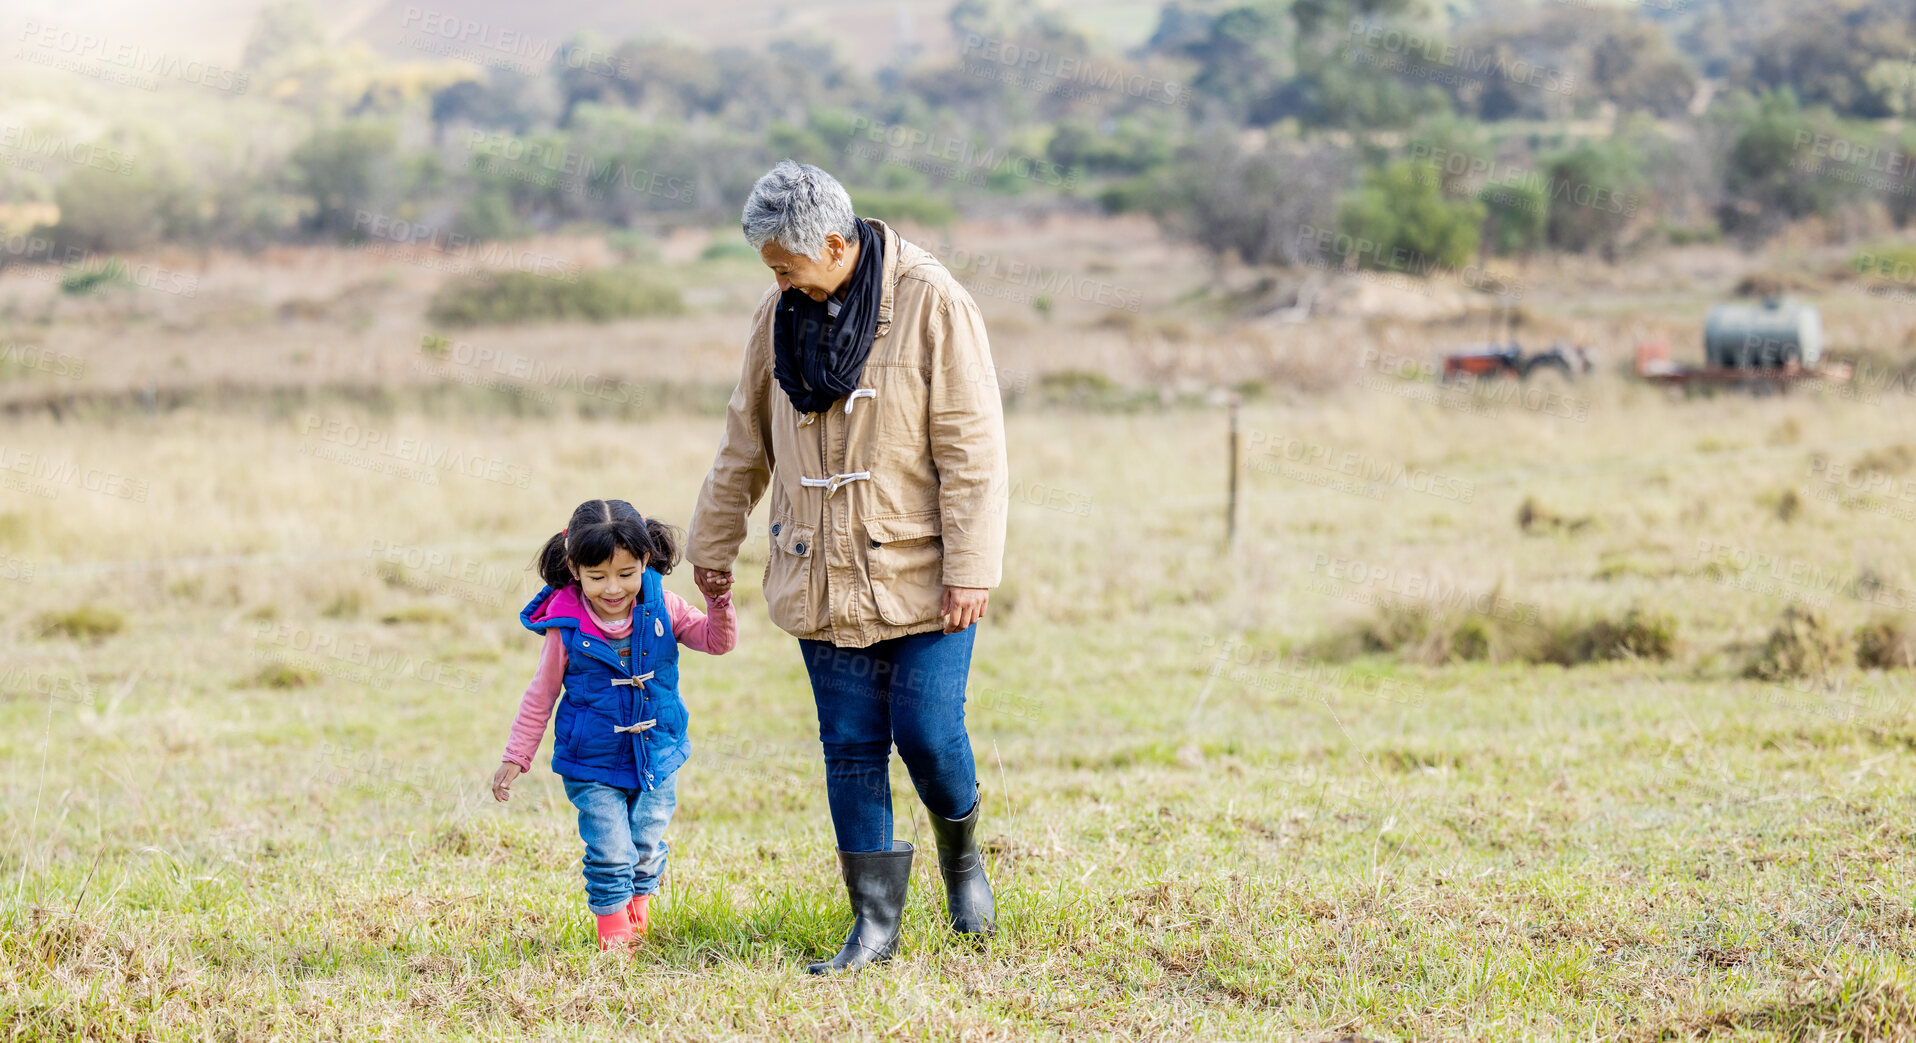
x: 245, y: 786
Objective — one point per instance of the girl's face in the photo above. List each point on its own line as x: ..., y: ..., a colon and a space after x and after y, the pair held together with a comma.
x: 612, y: 586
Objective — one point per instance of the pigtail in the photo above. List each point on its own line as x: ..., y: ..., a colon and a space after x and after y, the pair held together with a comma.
x: 664, y: 549
x: 550, y: 562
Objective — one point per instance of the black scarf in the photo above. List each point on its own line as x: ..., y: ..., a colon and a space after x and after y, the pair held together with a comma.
x: 817, y: 359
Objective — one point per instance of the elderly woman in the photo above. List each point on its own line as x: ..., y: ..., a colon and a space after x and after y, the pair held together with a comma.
x: 868, y: 405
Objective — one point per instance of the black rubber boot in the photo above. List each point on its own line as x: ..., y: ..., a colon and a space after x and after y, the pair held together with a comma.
x: 967, y: 891
x: 876, y: 882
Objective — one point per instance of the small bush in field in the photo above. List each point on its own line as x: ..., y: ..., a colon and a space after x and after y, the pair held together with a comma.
x: 1535, y: 518
x: 1884, y: 644
x: 1638, y: 635
x: 1421, y: 633
x: 345, y: 604
x: 85, y: 623
x: 79, y: 281
x: 604, y: 295
x: 284, y: 675
x: 1804, y: 644
x: 1889, y: 460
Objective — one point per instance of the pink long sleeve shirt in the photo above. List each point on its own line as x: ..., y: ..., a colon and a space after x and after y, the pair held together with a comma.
x: 714, y: 631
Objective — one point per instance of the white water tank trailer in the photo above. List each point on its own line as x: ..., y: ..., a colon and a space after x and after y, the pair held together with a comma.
x: 1779, y: 333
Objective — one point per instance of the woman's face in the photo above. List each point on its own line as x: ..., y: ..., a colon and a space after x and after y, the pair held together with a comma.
x: 817, y: 279
x: 613, y: 586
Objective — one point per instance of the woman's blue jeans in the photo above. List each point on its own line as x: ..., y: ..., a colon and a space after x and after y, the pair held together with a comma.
x: 909, y: 691
x: 624, y: 834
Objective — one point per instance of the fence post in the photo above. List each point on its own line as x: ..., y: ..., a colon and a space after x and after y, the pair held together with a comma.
x: 1230, y: 503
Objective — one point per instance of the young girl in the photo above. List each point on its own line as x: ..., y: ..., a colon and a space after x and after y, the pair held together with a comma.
x: 612, y: 633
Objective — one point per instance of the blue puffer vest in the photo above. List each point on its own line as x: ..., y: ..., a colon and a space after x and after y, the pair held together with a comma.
x: 602, y: 695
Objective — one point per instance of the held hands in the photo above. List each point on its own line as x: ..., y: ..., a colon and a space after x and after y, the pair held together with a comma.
x: 963, y: 606
x: 711, y: 582
x: 502, y: 781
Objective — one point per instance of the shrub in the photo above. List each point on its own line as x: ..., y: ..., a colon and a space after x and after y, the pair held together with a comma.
x: 1889, y: 460
x: 280, y: 674
x: 84, y: 623
x: 1533, y: 518
x: 430, y: 615
x: 603, y: 295
x: 1884, y: 644
x: 1786, y: 505
x: 1638, y: 635
x: 1593, y: 190
x: 1130, y: 146
x: 1422, y: 633
x: 916, y: 207
x: 79, y: 281
x: 106, y: 210
x: 1261, y: 205
x: 1770, y: 177
x: 730, y: 248
x: 1518, y: 217
x: 1886, y: 264
x: 1417, y: 632
x: 1804, y: 644
x: 1087, y: 389
x: 489, y: 215
x: 1402, y: 221
x: 337, y: 168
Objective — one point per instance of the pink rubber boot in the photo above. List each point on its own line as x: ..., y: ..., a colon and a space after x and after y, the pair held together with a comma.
x: 639, y: 911
x: 615, y: 929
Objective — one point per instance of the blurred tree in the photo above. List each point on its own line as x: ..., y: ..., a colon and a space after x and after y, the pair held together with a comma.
x: 1266, y: 205
x: 1315, y: 17
x: 1456, y: 147
x: 1632, y: 64
x: 1892, y: 84
x: 1517, y: 212
x: 282, y: 28
x: 589, y: 68
x: 1244, y: 58
x: 1595, y: 190
x: 1769, y: 176
x: 337, y: 167
x: 1124, y: 145
x: 1400, y: 220
x: 114, y: 210
x: 1179, y: 27
x: 1827, y: 55
x: 503, y: 101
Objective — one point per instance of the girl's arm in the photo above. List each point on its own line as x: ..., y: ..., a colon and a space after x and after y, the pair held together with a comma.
x: 714, y: 630
x: 535, y: 710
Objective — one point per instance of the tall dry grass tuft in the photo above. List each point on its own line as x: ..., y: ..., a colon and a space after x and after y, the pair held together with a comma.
x: 1804, y: 643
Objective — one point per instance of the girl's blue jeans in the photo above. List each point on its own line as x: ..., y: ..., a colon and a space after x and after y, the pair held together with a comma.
x: 909, y: 691
x: 624, y: 834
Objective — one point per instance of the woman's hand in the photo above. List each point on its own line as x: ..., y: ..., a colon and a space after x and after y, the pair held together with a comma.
x: 711, y: 582
x: 963, y: 606
x: 502, y: 781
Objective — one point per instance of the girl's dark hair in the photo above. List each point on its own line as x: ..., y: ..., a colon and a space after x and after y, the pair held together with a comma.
x: 597, y: 529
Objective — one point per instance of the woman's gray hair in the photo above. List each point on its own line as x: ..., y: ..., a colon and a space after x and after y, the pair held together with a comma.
x: 796, y: 205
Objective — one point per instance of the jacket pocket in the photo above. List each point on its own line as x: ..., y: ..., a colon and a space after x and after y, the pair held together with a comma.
x: 788, y: 578
x: 905, y: 559
x: 594, y: 741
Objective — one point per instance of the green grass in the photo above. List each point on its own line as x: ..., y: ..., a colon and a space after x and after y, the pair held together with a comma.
x: 242, y: 817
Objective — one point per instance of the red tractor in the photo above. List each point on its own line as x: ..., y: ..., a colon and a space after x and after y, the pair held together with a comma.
x: 1508, y: 360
